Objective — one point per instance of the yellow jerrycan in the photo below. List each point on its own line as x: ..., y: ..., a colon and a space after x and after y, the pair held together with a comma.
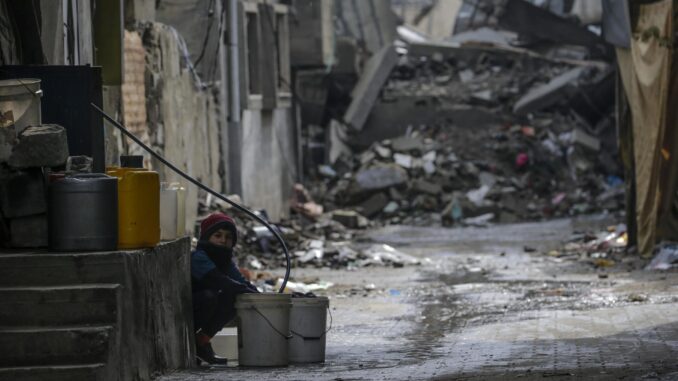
x: 138, y: 204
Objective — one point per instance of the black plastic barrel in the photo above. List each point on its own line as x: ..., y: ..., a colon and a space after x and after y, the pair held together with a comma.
x: 83, y: 213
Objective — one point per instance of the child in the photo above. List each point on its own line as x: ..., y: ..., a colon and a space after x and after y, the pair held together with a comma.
x: 216, y: 282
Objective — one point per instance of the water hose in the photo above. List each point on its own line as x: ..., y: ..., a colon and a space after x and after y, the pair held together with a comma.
x: 204, y: 187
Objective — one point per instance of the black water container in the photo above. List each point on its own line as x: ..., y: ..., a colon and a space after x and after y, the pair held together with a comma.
x: 83, y: 213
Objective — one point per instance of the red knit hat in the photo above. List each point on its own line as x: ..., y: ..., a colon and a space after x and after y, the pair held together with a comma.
x: 216, y: 221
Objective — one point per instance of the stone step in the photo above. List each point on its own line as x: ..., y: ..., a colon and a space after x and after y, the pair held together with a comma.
x: 31, y: 346
x: 85, y: 372
x: 59, y: 305
x: 53, y: 269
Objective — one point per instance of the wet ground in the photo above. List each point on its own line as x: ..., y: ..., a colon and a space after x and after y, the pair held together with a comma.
x: 481, y: 308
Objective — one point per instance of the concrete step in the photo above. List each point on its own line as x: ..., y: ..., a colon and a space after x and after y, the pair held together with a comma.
x: 59, y: 305
x: 85, y: 372
x: 52, y: 269
x: 31, y: 346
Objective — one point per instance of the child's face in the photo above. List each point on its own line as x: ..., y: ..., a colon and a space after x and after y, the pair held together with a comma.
x: 222, y: 237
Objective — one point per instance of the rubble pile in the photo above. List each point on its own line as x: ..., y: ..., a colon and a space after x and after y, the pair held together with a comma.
x: 319, y: 242
x: 548, y: 151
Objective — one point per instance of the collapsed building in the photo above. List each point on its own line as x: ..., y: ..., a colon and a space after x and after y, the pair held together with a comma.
x: 387, y: 113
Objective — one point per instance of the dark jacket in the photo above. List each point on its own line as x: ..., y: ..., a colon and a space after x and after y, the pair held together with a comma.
x: 212, y: 268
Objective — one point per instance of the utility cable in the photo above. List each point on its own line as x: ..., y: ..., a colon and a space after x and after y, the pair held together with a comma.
x: 200, y: 185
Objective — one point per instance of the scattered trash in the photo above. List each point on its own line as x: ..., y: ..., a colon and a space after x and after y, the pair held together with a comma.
x: 666, y: 258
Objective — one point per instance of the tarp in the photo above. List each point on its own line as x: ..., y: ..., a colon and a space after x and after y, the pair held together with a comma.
x: 645, y: 70
x: 667, y: 226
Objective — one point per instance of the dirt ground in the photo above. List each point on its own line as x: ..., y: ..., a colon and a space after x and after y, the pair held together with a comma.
x: 481, y: 308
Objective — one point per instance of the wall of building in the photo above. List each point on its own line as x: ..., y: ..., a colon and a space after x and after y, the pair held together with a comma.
x: 268, y: 160
x: 183, y: 118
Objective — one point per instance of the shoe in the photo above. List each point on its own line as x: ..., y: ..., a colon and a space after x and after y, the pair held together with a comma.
x: 205, y: 353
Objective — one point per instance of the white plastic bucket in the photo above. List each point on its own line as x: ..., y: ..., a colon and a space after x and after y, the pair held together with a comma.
x: 263, y: 329
x: 308, y: 322
x: 225, y: 343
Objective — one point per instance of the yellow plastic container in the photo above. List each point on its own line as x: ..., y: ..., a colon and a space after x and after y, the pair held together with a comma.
x: 138, y: 207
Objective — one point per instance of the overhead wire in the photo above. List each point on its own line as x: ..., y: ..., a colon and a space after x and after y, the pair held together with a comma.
x: 204, y: 187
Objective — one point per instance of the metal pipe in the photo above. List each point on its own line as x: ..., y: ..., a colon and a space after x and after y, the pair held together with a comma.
x: 234, y: 128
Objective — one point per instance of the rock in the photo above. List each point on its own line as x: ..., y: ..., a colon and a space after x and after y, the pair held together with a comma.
x: 379, y: 177
x: 348, y: 218
x: 382, y: 151
x: 391, y: 207
x: 407, y: 143
x: 40, y: 146
x: 373, y: 205
x: 427, y: 187
x: 585, y: 140
x: 405, y: 161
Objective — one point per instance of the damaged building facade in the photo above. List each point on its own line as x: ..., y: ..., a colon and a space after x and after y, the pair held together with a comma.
x: 328, y: 117
x: 219, y: 109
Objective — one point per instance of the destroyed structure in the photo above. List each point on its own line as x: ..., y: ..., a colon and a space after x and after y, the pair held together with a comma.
x: 327, y: 117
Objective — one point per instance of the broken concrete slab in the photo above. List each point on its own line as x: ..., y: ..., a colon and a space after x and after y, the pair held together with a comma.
x: 348, y: 218
x: 22, y: 193
x: 40, y: 146
x: 405, y: 161
x: 581, y: 138
x: 380, y: 176
x: 407, y: 143
x: 374, y: 204
x: 527, y: 19
x: 485, y: 36
x: 377, y: 70
x: 29, y: 231
x: 423, y: 186
x: 548, y: 94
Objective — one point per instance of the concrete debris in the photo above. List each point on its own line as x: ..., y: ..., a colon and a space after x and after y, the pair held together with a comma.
x: 40, y: 146
x: 379, y: 177
x: 540, y: 97
x: 349, y: 218
x: 666, y: 258
x: 385, y: 254
x: 366, y: 91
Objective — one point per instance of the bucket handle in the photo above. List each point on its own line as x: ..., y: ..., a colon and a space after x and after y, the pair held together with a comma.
x: 316, y: 337
x: 287, y: 337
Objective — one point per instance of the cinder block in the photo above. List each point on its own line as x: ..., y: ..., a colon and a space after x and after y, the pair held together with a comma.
x: 22, y: 193
x: 40, y: 146
x: 29, y: 231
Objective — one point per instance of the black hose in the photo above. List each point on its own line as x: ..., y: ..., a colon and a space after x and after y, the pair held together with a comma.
x: 200, y: 185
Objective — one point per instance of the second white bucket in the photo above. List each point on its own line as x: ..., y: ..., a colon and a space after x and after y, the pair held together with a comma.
x: 308, y: 321
x: 263, y: 329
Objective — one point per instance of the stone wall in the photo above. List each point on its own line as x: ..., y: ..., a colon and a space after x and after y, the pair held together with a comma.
x: 183, y: 118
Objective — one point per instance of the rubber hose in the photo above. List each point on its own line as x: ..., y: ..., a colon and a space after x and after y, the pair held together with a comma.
x: 204, y: 187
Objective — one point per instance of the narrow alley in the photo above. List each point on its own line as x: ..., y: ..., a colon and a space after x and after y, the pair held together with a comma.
x: 481, y: 308
x: 338, y: 190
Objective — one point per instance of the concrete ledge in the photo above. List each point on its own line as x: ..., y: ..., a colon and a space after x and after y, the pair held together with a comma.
x: 153, y: 329
x: 54, y: 345
x: 86, y: 372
